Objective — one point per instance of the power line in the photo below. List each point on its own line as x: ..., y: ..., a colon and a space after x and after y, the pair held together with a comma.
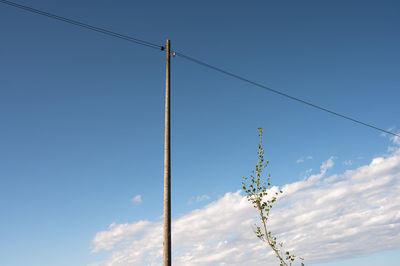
x: 194, y: 60
x: 83, y: 25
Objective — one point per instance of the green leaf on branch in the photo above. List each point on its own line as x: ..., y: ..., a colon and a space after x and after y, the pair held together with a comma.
x: 255, y: 193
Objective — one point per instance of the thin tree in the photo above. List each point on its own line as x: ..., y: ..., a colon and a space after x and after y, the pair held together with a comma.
x: 257, y: 194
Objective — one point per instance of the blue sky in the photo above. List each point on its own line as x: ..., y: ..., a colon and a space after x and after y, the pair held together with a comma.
x: 81, y: 114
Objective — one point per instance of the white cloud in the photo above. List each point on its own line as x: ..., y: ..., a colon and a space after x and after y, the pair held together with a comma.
x: 348, y: 162
x: 137, y: 199
x: 320, y: 218
x: 303, y: 158
x: 395, y: 139
x: 202, y: 198
x: 199, y: 199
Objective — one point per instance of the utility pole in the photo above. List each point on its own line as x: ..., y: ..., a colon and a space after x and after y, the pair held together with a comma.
x: 167, y: 167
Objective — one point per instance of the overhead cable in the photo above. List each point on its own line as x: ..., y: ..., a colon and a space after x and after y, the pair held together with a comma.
x: 84, y: 25
x: 194, y: 60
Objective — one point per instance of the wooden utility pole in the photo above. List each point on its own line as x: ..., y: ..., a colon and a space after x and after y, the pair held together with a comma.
x: 167, y: 167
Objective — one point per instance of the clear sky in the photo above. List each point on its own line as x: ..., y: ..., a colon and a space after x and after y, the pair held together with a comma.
x: 82, y: 129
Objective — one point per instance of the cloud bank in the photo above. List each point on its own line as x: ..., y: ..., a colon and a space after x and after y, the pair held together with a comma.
x: 320, y: 218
